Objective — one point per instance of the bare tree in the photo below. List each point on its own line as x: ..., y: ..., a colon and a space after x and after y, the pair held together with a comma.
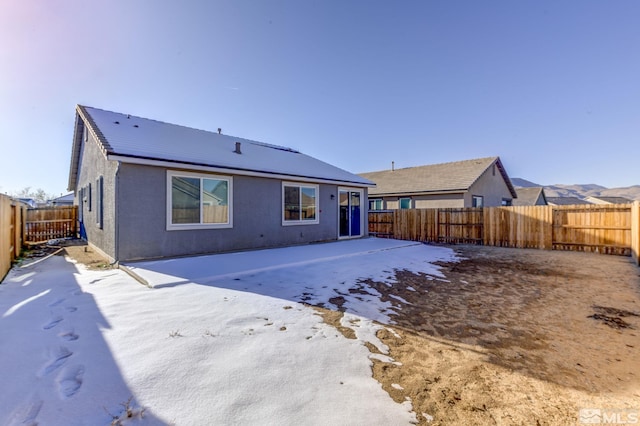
x: 39, y: 195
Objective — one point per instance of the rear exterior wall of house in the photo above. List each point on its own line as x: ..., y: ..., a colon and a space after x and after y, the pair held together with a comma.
x: 257, y: 217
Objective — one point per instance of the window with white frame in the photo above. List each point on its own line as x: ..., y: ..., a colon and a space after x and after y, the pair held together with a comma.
x: 198, y: 201
x: 405, y: 203
x: 300, y: 204
x: 375, y: 204
x: 477, y: 201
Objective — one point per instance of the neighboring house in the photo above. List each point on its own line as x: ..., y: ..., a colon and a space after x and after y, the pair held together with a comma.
x: 481, y: 182
x: 608, y: 200
x: 64, y: 200
x: 531, y: 196
x: 565, y: 201
x: 29, y: 202
x: 147, y: 189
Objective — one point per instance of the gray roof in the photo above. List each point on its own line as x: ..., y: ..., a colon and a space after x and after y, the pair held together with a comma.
x: 613, y: 200
x: 529, y: 196
x: 566, y: 201
x: 133, y: 139
x: 451, y: 177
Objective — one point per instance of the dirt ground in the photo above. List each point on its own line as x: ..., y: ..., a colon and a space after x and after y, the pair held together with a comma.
x: 512, y: 336
x: 506, y: 337
x: 77, y: 250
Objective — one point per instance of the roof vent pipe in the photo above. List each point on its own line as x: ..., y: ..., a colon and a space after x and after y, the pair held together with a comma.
x: 393, y: 165
x: 238, y: 151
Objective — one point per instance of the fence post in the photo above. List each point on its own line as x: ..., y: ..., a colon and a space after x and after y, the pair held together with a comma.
x: 635, y: 232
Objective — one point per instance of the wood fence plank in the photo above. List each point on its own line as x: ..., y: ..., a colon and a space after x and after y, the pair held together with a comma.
x: 598, y: 228
x: 43, y: 224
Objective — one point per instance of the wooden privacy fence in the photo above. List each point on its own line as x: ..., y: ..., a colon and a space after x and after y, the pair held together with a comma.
x: 610, y: 229
x: 48, y: 223
x: 12, y: 215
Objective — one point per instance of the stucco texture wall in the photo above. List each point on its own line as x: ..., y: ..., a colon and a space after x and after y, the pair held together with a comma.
x: 491, y: 186
x: 93, y: 164
x: 257, y: 217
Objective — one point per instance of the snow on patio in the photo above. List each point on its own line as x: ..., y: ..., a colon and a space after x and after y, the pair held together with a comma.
x: 220, y: 339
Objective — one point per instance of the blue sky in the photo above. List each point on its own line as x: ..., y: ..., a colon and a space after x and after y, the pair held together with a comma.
x: 551, y: 87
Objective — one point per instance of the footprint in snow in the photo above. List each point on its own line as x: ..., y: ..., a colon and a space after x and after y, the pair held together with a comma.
x: 52, y: 323
x: 56, y: 303
x: 68, y: 336
x: 71, y: 308
x: 70, y: 381
x: 27, y: 414
x: 58, y: 357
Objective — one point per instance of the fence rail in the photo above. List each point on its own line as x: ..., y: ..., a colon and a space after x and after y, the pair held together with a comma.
x: 43, y: 224
x: 604, y: 229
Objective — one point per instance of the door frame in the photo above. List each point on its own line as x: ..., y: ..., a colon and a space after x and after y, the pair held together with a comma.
x: 363, y: 208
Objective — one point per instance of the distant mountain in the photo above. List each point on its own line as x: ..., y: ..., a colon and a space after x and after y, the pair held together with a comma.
x: 581, y: 191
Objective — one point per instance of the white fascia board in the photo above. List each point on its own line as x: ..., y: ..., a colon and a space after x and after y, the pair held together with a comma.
x: 417, y: 193
x: 213, y: 169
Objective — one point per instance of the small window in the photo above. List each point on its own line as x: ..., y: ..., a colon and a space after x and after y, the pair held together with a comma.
x: 99, y: 201
x: 375, y: 205
x: 299, y: 204
x: 89, y: 197
x: 507, y: 202
x: 405, y: 203
x: 198, y: 201
x: 477, y: 201
x: 81, y: 204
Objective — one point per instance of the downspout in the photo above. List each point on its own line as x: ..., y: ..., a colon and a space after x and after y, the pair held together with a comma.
x: 116, y: 242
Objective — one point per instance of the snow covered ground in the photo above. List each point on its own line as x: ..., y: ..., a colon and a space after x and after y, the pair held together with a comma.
x: 220, y: 339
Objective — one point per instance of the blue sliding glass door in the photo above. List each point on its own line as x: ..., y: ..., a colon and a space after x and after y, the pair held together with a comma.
x: 350, y: 213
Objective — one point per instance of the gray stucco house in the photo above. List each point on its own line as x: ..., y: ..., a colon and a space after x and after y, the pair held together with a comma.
x: 480, y: 182
x: 148, y: 189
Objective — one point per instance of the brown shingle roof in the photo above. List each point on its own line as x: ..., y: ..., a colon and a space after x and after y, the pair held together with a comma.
x: 612, y: 200
x: 456, y: 176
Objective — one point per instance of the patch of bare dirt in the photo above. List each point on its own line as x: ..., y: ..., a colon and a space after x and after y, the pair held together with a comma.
x: 513, y: 336
x: 81, y: 252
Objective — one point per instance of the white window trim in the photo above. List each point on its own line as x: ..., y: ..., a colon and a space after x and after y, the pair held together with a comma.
x: 189, y: 226
x: 375, y: 200
x: 400, y: 203
x: 317, y: 206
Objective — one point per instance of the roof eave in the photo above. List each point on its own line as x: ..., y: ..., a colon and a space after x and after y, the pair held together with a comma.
x: 231, y: 170
x: 414, y: 193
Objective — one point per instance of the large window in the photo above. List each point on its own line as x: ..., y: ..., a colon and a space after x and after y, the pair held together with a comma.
x: 197, y: 201
x: 299, y: 204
